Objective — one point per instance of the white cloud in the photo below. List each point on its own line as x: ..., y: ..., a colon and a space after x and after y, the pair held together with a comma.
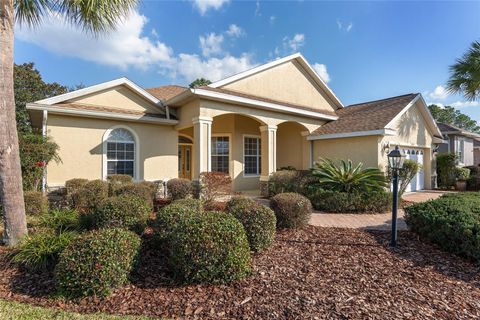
x: 235, y: 31
x: 204, y: 5
x: 440, y: 93
x: 211, y: 44
x: 465, y: 104
x: 257, y: 9
x: 321, y: 70
x: 295, y: 43
x: 191, y: 66
x: 344, y: 26
x: 121, y: 48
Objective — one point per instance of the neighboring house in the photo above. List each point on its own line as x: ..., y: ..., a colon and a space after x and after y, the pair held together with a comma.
x: 476, y: 152
x: 276, y: 115
x: 460, y: 142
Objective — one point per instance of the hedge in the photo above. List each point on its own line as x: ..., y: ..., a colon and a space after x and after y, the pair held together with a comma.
x: 334, y: 201
x: 292, y: 210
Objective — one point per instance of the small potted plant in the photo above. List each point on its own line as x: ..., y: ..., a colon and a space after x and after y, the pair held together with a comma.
x: 461, y: 175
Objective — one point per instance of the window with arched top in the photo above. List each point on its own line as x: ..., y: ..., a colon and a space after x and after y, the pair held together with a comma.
x: 120, y: 152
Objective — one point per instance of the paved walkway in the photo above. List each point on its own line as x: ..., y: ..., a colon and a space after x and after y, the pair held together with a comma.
x: 371, y: 221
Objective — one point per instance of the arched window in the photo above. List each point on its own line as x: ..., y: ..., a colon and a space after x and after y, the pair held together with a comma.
x: 120, y: 152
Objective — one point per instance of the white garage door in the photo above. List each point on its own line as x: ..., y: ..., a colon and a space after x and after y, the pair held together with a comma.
x: 417, y: 182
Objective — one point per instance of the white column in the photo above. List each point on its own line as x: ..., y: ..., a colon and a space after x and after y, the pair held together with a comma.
x: 202, y: 128
x: 269, y: 151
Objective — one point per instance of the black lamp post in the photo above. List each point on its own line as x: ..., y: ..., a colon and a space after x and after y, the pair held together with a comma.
x: 395, y: 160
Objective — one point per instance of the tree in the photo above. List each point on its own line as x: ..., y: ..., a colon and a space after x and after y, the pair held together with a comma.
x: 28, y: 87
x: 94, y: 16
x: 199, y: 82
x: 465, y: 74
x: 454, y: 117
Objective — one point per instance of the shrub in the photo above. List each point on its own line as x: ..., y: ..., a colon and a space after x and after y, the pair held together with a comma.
x: 129, y: 212
x: 169, y: 216
x: 474, y: 170
x: 405, y: 175
x: 473, y: 183
x: 446, y: 169
x: 91, y: 194
x: 119, y: 178
x: 197, y: 204
x: 259, y: 221
x: 462, y: 174
x: 35, y: 203
x: 292, y: 210
x: 74, y: 185
x: 348, y: 178
x: 61, y: 220
x: 214, y: 185
x: 333, y: 201
x: 179, y: 188
x: 451, y: 221
x: 283, y: 181
x: 40, y: 251
x: 140, y: 190
x: 97, y: 262
x: 210, y: 247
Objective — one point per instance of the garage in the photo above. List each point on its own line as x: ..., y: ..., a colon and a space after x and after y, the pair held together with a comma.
x: 418, y: 182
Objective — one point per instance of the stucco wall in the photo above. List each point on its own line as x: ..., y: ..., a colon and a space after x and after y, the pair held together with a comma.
x: 119, y: 97
x: 80, y: 142
x: 286, y: 82
x: 290, y: 145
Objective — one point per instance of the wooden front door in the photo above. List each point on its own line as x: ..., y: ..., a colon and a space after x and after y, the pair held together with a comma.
x: 185, y: 161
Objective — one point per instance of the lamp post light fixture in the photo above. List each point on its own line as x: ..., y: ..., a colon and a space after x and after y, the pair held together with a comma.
x: 395, y: 161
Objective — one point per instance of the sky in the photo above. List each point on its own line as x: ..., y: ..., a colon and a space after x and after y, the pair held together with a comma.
x: 363, y: 50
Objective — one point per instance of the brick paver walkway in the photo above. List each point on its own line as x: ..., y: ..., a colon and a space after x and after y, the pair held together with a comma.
x: 370, y: 221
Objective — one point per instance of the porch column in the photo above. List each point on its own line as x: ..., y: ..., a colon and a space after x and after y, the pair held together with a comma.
x: 202, y: 131
x: 269, y: 155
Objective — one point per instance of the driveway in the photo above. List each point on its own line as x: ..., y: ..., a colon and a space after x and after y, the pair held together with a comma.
x: 371, y: 221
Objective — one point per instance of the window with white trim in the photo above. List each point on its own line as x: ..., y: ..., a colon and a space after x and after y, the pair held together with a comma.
x: 120, y: 152
x: 220, y: 154
x: 252, y: 156
x: 460, y: 149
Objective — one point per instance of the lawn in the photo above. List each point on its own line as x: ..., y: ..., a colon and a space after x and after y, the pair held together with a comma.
x: 313, y: 272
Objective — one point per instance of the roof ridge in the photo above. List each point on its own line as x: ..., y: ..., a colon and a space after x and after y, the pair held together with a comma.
x: 167, y: 85
x: 384, y: 99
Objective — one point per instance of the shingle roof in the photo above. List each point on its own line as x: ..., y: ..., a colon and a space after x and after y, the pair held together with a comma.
x: 445, y: 127
x: 166, y: 92
x: 87, y: 107
x: 367, y: 116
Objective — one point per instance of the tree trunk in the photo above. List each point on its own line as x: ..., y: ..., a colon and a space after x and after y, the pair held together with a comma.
x: 11, y: 191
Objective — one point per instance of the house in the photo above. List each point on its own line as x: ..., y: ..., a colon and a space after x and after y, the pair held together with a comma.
x: 459, y: 141
x: 275, y: 115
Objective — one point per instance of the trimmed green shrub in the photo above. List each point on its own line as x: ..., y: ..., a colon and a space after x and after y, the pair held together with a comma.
x: 97, y: 262
x: 292, y: 210
x: 405, y: 175
x: 259, y: 221
x: 190, y: 202
x: 473, y: 183
x: 129, y: 212
x: 446, y: 164
x: 74, y: 185
x: 40, y: 251
x: 451, y: 221
x: 169, y: 216
x: 119, y: 178
x: 462, y: 174
x: 283, y: 181
x: 141, y: 190
x: 333, y: 201
x: 179, y: 188
x: 210, y: 247
x: 91, y: 194
x: 35, y: 203
x: 61, y: 220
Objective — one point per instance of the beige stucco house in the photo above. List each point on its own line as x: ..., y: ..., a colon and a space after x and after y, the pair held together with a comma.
x: 249, y: 125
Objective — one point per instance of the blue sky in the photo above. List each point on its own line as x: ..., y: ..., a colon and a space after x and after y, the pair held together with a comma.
x: 364, y: 50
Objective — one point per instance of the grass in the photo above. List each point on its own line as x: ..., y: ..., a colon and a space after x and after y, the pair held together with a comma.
x: 19, y: 311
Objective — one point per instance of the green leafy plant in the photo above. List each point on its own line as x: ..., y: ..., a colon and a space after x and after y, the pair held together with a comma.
x: 405, y: 175
x: 91, y: 195
x: 292, y: 210
x: 119, y: 178
x: 347, y: 177
x: 210, y: 247
x: 36, y: 203
x: 97, y: 262
x: 462, y: 174
x: 61, y: 220
x: 130, y: 212
x: 334, y: 201
x: 40, y: 251
x: 446, y: 164
x: 142, y: 190
x: 179, y: 188
x: 170, y: 216
x: 258, y: 220
x: 283, y: 181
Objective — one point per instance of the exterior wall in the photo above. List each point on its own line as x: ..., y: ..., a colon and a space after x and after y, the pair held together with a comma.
x: 286, y: 82
x: 290, y: 146
x: 119, y: 97
x: 476, y: 156
x: 81, y: 150
x: 358, y: 149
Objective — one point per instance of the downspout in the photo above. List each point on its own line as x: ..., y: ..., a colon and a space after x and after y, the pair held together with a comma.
x: 44, y: 134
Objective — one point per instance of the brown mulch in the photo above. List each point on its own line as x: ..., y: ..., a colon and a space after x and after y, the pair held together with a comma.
x: 314, y: 273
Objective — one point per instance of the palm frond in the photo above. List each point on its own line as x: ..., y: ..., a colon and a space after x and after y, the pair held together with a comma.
x: 465, y: 74
x: 30, y: 12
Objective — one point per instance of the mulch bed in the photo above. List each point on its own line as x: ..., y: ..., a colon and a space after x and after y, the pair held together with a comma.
x: 314, y: 273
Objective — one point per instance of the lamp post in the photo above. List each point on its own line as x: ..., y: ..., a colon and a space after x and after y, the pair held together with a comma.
x: 395, y: 160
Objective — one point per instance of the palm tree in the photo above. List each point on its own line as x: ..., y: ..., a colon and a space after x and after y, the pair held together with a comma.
x: 465, y: 74
x: 94, y: 16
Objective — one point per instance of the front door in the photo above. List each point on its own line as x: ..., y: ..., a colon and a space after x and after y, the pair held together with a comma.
x: 185, y: 161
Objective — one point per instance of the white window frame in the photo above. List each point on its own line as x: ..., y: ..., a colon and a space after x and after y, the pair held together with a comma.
x: 259, y: 156
x: 230, y: 142
x: 136, y: 161
x: 460, y: 144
